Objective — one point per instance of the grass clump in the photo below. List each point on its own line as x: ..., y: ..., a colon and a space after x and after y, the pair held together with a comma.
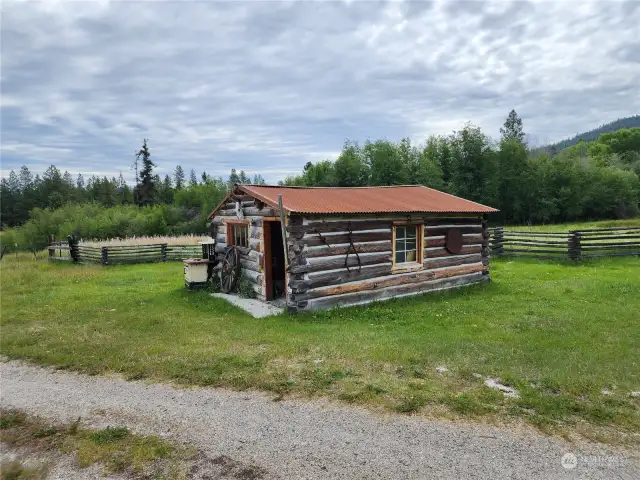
x: 11, y: 418
x: 17, y: 470
x: 116, y: 448
x: 109, y: 435
x: 44, y: 432
x: 411, y: 403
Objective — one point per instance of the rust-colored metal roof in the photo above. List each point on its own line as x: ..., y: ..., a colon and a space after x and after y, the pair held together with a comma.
x: 345, y: 200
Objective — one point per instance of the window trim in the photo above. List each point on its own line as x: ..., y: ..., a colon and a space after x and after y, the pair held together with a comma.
x: 408, y: 266
x: 231, y: 224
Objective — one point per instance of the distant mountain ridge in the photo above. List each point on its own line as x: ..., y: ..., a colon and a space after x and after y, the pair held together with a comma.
x: 627, y: 122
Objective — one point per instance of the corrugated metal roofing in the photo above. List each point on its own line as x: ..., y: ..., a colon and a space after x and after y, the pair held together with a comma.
x: 345, y: 200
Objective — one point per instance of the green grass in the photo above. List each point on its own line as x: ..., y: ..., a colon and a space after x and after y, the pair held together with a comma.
x: 565, y: 227
x: 116, y: 448
x: 557, y: 332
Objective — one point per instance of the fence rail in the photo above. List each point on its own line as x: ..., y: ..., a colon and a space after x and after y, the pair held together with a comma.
x: 72, y: 250
x: 574, y: 245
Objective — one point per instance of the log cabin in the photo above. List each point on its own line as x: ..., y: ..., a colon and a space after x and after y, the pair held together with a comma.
x: 321, y: 247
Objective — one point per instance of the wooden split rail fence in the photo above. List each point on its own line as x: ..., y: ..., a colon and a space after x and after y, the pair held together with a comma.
x: 72, y: 250
x: 574, y: 245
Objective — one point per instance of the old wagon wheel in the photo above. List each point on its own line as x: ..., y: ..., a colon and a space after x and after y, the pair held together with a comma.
x: 230, y: 270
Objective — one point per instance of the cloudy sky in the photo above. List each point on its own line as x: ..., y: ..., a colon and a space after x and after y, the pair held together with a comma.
x: 266, y: 86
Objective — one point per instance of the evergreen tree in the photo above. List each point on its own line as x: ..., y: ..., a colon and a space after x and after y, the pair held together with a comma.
x: 193, y: 180
x: 512, y: 129
x: 166, y: 193
x: 125, y: 195
x: 258, y: 180
x: 178, y: 177
x: 147, y: 188
x: 233, y: 178
x: 26, y: 178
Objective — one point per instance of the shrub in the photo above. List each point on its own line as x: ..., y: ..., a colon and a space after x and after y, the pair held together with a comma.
x: 98, y: 222
x: 245, y: 287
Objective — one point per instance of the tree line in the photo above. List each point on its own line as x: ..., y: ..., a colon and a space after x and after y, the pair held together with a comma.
x: 22, y: 192
x: 590, y: 180
x: 58, y: 204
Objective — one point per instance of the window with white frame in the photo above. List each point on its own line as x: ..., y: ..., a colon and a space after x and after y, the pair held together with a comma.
x: 407, y: 246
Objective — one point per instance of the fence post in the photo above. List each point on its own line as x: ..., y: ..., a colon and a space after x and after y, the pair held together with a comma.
x: 486, y: 249
x: 52, y: 250
x: 574, y: 249
x: 164, y: 252
x: 498, y: 241
x: 73, y: 248
x: 105, y: 256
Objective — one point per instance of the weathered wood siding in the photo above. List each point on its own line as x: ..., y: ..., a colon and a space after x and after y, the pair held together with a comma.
x: 251, y: 258
x: 318, y: 277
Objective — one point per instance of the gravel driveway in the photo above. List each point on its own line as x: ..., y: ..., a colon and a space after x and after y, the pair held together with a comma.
x: 304, y: 440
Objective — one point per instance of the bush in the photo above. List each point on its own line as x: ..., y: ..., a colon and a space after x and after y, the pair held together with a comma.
x: 245, y: 287
x: 98, y: 222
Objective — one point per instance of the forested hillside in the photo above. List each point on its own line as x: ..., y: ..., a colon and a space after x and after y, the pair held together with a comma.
x: 591, y: 135
x: 587, y: 181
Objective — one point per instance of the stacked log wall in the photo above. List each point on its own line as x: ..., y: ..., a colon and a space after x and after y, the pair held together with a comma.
x: 317, y: 247
x: 251, y: 257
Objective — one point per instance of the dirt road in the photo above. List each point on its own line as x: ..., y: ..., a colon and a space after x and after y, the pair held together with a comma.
x: 304, y: 440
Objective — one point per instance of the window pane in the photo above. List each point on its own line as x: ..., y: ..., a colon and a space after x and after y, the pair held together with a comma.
x: 411, y: 256
x: 411, y: 244
x: 400, y: 232
x: 411, y: 232
x: 400, y: 257
x: 239, y: 235
x: 400, y: 244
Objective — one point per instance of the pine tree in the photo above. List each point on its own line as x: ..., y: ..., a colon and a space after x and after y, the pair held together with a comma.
x: 147, y: 188
x: 512, y: 129
x: 233, y: 178
x: 258, y: 180
x: 124, y: 191
x: 193, y: 180
x: 26, y: 179
x: 178, y: 177
x: 167, y: 190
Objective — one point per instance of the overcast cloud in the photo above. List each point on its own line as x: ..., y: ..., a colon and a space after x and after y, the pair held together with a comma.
x: 268, y: 86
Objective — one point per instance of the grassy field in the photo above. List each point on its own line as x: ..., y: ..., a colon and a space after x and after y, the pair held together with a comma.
x: 557, y: 332
x: 147, y: 240
x: 565, y: 227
